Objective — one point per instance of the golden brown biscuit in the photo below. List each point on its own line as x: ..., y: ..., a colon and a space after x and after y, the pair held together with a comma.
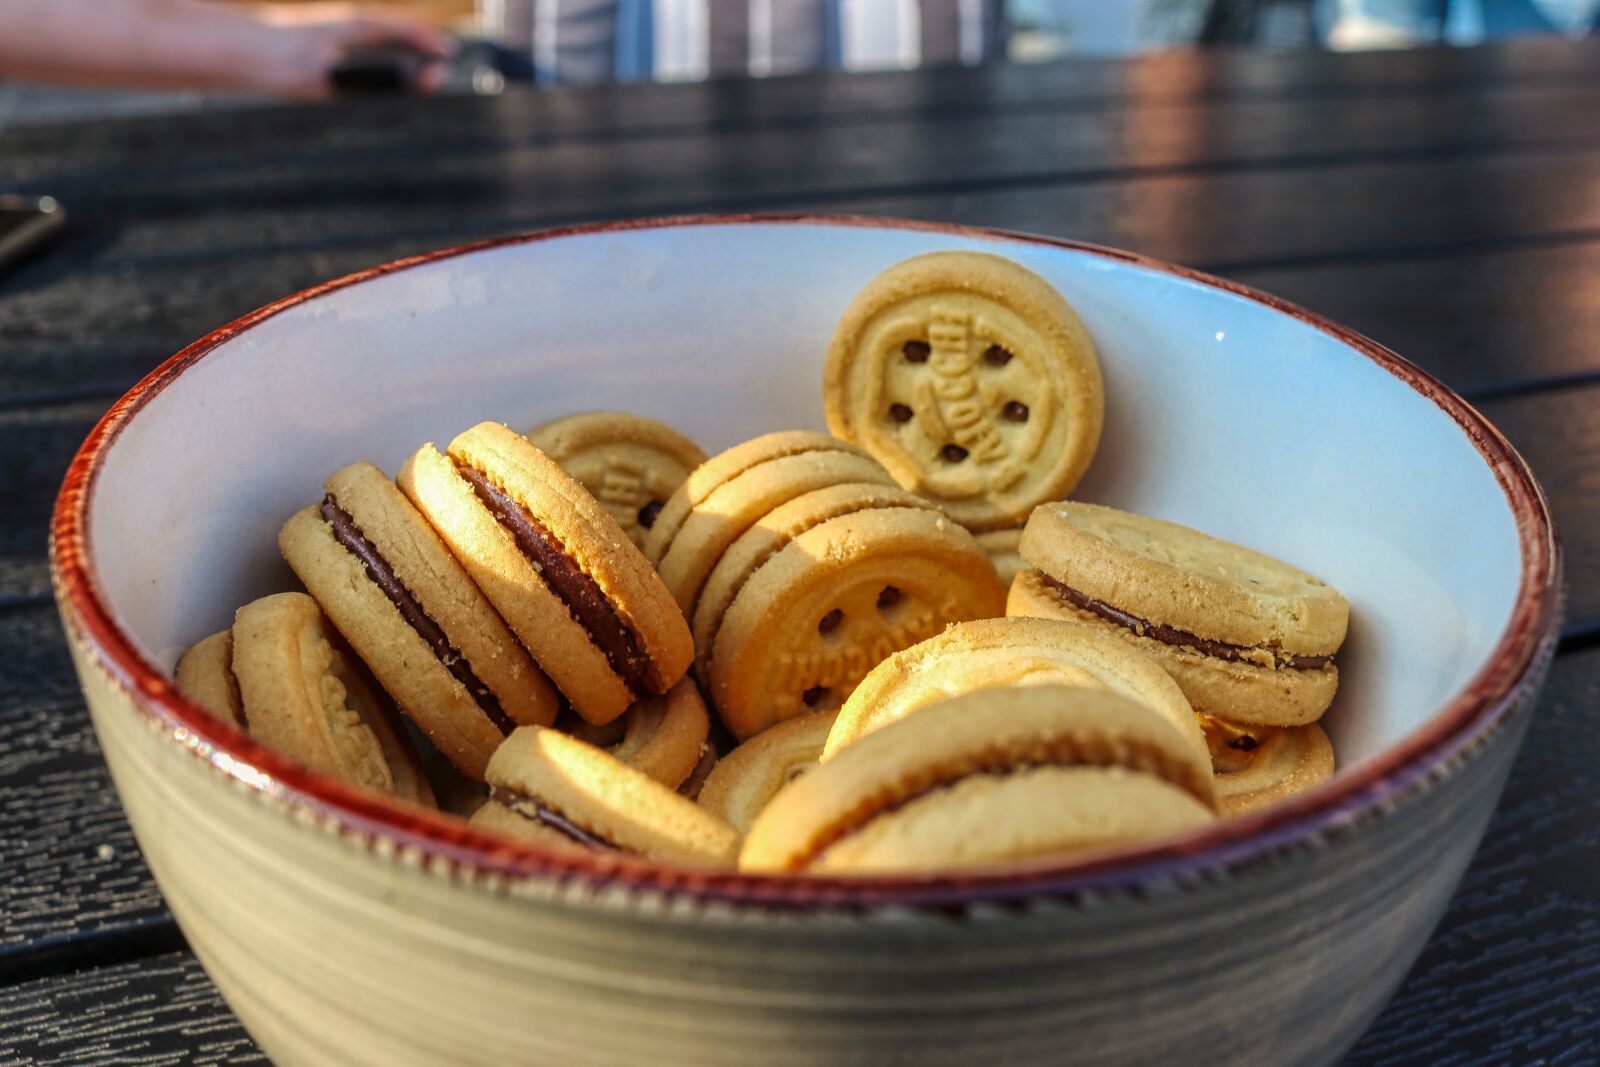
x: 988, y: 777
x: 414, y: 617
x: 556, y: 565
x: 205, y: 674
x: 744, y: 780
x: 292, y: 685
x: 1247, y: 637
x: 553, y: 782
x: 726, y: 466
x: 733, y: 507
x: 630, y: 463
x: 972, y: 380
x: 825, y: 609
x: 769, y: 535
x: 665, y: 736
x: 1256, y: 766
x: 1014, y: 651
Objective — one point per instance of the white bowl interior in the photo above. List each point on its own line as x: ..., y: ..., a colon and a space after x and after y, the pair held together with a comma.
x: 1221, y: 413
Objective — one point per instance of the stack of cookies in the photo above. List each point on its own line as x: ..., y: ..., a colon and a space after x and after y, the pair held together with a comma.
x: 798, y: 654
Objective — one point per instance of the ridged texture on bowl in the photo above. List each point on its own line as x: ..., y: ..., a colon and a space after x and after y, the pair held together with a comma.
x: 336, y: 952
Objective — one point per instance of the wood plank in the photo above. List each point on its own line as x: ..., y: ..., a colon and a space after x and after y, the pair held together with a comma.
x: 72, y: 866
x: 1558, y: 433
x: 148, y: 214
x: 157, y: 1012
x: 415, y: 127
x: 1508, y: 976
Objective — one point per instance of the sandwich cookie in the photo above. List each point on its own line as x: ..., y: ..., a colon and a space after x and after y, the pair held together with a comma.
x: 1002, y: 652
x: 291, y: 688
x: 988, y: 777
x: 770, y: 534
x: 972, y: 380
x: 1247, y: 638
x: 1260, y: 765
x: 630, y: 463
x: 205, y: 674
x: 556, y: 565
x: 665, y: 736
x: 726, y: 466
x: 836, y: 600
x: 414, y: 617
x: 1001, y: 545
x: 747, y: 778
x: 548, y: 786
x: 730, y: 508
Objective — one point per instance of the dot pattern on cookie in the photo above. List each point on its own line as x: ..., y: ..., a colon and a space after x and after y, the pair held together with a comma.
x: 838, y: 598
x: 972, y: 380
x: 630, y: 463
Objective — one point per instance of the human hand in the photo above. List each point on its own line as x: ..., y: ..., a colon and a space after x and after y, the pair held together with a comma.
x: 309, y: 40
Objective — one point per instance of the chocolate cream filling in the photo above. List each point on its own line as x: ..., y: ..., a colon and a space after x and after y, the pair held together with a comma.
x: 1169, y: 636
x: 580, y: 593
x: 534, y: 810
x: 350, y: 536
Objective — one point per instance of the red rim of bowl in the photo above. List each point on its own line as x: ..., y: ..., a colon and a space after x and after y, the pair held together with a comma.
x: 1303, y: 821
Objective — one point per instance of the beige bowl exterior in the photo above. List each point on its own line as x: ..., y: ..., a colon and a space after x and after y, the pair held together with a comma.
x: 337, y: 948
x: 346, y: 931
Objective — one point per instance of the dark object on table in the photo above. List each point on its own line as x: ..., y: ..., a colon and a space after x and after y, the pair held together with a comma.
x: 378, y: 71
x: 27, y: 223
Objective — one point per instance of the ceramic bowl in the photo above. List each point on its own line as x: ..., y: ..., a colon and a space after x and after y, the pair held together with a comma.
x: 345, y: 930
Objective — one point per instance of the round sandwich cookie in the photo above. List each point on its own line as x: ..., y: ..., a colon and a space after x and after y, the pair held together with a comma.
x: 1001, y: 545
x: 726, y: 466
x: 988, y: 777
x: 1260, y: 765
x: 630, y: 463
x: 205, y: 674
x: 836, y: 600
x: 556, y: 565
x: 544, y: 782
x: 293, y: 687
x: 986, y: 653
x: 665, y: 736
x: 730, y: 509
x: 770, y: 534
x: 416, y: 619
x: 747, y: 778
x: 972, y: 380
x: 1247, y: 638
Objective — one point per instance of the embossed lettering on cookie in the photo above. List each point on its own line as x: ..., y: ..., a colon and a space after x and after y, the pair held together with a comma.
x: 972, y: 380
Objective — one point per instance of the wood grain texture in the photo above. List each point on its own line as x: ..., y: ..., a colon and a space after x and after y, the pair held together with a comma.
x: 1558, y: 433
x: 158, y: 1012
x: 71, y: 864
x: 1090, y: 85
x: 1509, y: 976
x: 151, y: 213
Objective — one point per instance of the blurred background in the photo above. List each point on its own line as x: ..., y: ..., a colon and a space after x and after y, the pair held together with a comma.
x: 493, y: 43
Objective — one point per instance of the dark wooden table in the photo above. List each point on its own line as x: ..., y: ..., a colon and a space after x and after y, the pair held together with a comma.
x: 1445, y: 202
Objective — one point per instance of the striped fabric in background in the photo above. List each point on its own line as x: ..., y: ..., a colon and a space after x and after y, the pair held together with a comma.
x: 584, y: 41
